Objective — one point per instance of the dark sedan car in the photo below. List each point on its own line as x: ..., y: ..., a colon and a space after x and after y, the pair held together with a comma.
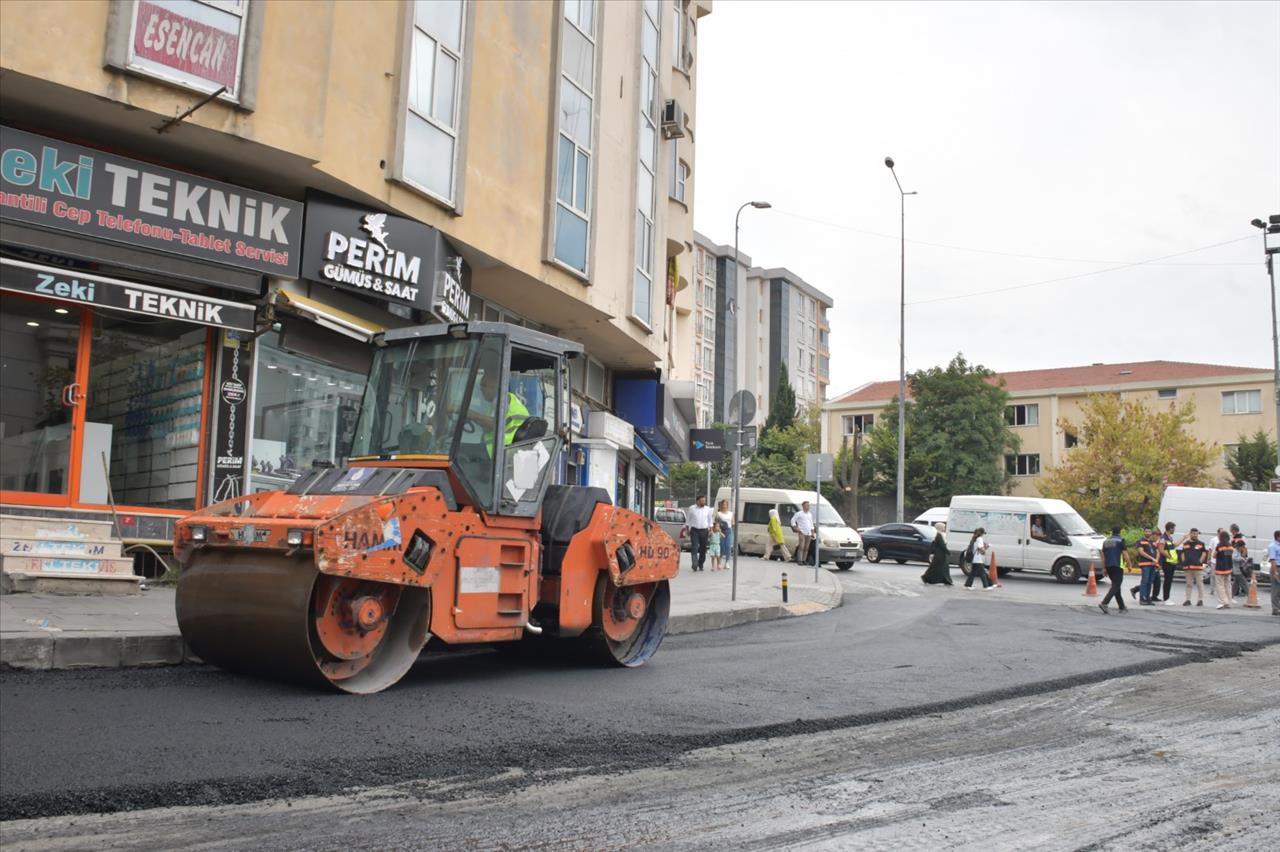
x: 902, y: 542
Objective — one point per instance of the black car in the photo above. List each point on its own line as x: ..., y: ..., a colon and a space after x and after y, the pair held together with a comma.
x: 898, y: 541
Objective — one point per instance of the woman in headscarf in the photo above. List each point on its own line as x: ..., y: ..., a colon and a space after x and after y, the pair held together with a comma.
x: 939, y: 570
x: 779, y: 545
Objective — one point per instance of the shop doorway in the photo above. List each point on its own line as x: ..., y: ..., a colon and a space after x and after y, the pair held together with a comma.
x: 42, y: 379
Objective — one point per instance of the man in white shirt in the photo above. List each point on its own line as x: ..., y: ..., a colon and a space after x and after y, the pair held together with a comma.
x: 802, y: 523
x: 697, y: 520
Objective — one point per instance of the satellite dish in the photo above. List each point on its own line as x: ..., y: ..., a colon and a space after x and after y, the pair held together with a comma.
x: 742, y: 408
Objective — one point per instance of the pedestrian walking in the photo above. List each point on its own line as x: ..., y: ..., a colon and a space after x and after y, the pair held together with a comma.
x: 1168, y: 561
x: 802, y: 523
x: 1112, y: 551
x: 1149, y: 563
x: 778, y: 548
x: 976, y: 554
x: 713, y: 545
x: 1273, y: 563
x: 1222, y: 570
x: 697, y: 520
x: 1194, y: 556
x: 725, y: 519
x: 939, y: 571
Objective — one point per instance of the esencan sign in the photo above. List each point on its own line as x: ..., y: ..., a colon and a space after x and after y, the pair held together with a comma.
x: 378, y: 254
x: 68, y: 187
x: 194, y: 43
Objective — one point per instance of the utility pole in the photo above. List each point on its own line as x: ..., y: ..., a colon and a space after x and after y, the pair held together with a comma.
x: 902, y: 345
x: 1271, y: 247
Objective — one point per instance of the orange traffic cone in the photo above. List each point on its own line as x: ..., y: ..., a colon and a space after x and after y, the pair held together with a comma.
x: 1092, y: 590
x: 1251, y: 602
x: 995, y: 575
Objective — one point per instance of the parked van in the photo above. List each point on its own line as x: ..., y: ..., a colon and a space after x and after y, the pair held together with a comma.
x: 1257, y: 513
x: 936, y: 515
x: 1027, y: 533
x: 839, y: 543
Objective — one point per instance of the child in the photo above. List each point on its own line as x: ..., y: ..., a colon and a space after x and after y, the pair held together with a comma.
x: 713, y: 546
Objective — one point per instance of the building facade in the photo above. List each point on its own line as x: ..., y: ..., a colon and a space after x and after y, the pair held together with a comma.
x: 1229, y: 402
x: 209, y: 209
x: 798, y: 333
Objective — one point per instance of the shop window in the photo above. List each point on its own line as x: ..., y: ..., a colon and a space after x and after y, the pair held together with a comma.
x: 38, y: 345
x: 304, y: 412
x: 146, y: 386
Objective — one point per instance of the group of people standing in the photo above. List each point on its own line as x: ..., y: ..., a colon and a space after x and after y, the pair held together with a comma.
x: 710, y: 534
x: 1225, y: 559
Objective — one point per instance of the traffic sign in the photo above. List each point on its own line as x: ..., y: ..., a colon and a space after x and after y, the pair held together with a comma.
x: 819, y: 466
x: 742, y: 408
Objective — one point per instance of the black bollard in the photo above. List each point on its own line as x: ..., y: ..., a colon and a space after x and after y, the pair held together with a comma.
x: 784, y: 586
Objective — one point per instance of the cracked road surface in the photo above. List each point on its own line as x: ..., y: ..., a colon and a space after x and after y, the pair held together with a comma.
x: 940, y: 720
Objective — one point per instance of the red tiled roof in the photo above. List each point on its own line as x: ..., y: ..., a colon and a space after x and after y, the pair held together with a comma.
x: 1098, y: 375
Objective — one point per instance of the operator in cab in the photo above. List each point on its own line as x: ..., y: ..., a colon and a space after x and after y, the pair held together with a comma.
x: 486, y: 415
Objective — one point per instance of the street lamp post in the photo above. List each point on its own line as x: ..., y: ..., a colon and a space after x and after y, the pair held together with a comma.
x: 733, y: 383
x: 1271, y: 229
x: 902, y: 346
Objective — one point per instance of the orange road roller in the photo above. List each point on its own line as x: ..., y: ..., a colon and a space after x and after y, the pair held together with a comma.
x: 443, y: 522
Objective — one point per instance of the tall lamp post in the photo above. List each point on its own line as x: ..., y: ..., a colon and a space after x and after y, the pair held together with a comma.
x: 1271, y: 247
x: 902, y: 347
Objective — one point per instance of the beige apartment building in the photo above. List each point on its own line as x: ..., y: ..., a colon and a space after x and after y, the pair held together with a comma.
x: 208, y: 208
x: 1229, y: 402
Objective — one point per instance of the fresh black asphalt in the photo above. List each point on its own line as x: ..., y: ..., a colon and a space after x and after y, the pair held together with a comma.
x: 111, y: 740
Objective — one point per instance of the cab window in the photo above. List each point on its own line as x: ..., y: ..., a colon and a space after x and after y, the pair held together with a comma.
x: 477, y: 441
x: 785, y: 511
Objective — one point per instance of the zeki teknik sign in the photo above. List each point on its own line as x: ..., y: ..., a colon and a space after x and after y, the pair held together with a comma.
x: 381, y: 255
x: 65, y: 187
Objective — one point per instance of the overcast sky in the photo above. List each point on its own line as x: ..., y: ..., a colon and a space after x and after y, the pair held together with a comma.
x: 1081, y: 136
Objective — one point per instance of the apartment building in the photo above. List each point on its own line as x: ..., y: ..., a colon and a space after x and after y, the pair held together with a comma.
x: 216, y: 175
x: 798, y: 336
x: 1229, y: 402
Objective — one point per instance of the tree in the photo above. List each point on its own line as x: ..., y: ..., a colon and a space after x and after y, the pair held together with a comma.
x: 779, y: 457
x: 687, y: 480
x: 782, y: 410
x: 1126, y: 455
x: 956, y: 437
x: 1252, y: 461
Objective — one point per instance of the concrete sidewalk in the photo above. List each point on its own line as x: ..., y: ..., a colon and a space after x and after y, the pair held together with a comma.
x: 39, y: 631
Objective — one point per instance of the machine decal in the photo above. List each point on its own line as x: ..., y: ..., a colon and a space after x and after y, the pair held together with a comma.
x: 478, y: 579
x: 390, y: 536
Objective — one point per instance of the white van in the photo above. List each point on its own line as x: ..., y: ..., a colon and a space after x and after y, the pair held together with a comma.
x: 839, y: 543
x: 936, y: 515
x: 1257, y: 513
x: 1027, y: 533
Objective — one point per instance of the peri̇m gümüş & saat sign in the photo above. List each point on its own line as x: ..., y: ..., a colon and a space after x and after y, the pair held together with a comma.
x: 66, y: 187
x: 380, y: 254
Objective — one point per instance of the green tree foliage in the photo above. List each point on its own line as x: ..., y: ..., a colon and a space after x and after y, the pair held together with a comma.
x: 956, y: 437
x: 687, y: 480
x: 1127, y: 454
x: 1252, y: 462
x: 782, y: 410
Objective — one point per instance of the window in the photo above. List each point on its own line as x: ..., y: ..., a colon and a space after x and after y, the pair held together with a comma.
x: 1069, y: 440
x: 756, y: 513
x: 1023, y: 464
x: 824, y: 366
x: 709, y: 327
x: 682, y: 180
x: 646, y: 171
x: 710, y: 296
x: 824, y: 339
x: 1167, y: 393
x: 709, y: 360
x: 681, y: 53
x: 1242, y: 402
x: 429, y: 153
x: 709, y: 264
x: 574, y: 137
x: 1022, y: 415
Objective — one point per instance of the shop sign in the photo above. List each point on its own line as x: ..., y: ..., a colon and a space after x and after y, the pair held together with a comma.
x: 67, y: 187
x: 706, y: 445
x: 195, y: 44
x: 450, y: 303
x: 230, y: 436
x: 86, y: 288
x: 378, y: 254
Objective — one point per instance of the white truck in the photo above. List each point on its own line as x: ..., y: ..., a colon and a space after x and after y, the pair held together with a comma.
x: 1027, y: 534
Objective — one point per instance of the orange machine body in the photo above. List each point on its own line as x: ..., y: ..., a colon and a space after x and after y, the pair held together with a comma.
x: 485, y: 572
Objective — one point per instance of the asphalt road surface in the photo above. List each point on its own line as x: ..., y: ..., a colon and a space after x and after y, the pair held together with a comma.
x: 478, y: 750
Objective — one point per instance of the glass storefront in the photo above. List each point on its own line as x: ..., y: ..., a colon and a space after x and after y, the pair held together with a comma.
x: 39, y: 342
x: 144, y: 408
x: 304, y: 411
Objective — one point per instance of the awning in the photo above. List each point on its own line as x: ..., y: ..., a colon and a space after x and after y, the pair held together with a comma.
x: 334, y: 319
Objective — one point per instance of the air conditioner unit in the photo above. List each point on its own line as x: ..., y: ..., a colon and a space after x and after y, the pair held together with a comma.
x: 672, y: 120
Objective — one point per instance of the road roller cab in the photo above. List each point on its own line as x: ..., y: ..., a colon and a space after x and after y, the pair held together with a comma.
x: 444, y: 522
